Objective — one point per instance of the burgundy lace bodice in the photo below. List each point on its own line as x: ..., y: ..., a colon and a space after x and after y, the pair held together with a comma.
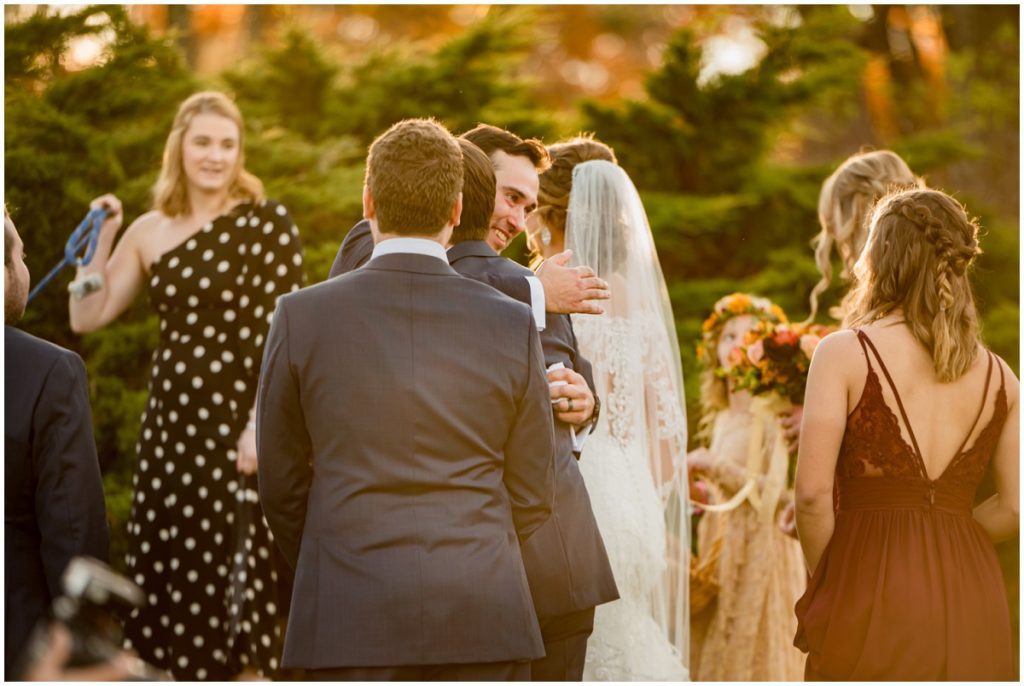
x: 873, y: 445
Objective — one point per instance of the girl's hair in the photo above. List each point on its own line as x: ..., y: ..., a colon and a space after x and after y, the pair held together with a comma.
x: 556, y: 181
x: 844, y: 205
x: 170, y: 193
x: 714, y: 391
x: 920, y: 248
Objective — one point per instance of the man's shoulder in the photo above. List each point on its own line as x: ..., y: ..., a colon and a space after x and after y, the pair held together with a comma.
x: 22, y: 342
x: 470, y: 261
x: 360, y: 230
x: 493, y: 301
x: 25, y: 353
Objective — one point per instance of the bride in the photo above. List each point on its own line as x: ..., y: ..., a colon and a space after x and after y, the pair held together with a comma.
x: 634, y: 462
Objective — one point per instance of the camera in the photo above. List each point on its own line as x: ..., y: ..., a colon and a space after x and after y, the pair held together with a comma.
x: 94, y: 598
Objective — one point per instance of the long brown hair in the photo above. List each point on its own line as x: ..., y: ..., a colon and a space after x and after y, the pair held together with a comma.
x: 170, y: 193
x: 556, y: 182
x: 920, y: 248
x: 844, y: 206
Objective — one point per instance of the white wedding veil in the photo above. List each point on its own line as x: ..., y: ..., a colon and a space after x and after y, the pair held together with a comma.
x: 607, y: 230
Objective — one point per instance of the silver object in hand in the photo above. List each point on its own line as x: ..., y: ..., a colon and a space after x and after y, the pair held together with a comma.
x: 85, y: 286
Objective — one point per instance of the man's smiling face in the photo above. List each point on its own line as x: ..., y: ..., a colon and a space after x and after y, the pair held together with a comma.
x: 516, y: 197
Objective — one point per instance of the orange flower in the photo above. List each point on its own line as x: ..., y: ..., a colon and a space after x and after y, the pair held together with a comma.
x: 738, y: 303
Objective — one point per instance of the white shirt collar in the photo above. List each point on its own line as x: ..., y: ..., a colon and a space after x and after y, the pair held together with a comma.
x: 416, y: 246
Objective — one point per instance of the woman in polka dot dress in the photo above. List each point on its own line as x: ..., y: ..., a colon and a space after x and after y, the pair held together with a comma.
x: 214, y: 255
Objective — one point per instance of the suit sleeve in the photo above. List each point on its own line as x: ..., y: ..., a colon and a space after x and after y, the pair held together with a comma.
x: 282, y: 443
x: 70, y: 507
x: 586, y: 370
x: 530, y: 449
x: 355, y: 251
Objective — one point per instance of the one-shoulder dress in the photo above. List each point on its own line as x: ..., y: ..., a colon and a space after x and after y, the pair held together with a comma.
x: 198, y: 543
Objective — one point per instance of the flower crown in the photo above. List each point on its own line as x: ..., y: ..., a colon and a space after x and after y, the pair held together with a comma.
x: 736, y: 305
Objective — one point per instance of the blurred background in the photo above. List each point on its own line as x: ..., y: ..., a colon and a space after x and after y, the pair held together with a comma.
x: 728, y: 118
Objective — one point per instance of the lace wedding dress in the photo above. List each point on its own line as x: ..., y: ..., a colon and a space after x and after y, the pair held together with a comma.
x: 634, y: 462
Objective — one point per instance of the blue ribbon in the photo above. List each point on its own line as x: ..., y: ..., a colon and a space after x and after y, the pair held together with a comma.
x: 86, y: 236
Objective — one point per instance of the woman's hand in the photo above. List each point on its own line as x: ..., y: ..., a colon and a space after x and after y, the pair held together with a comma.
x: 114, y: 218
x: 246, y: 460
x: 700, y: 460
x: 787, y: 520
x: 790, y: 422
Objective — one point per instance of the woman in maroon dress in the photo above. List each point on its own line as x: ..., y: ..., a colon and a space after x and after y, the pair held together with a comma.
x: 903, y: 415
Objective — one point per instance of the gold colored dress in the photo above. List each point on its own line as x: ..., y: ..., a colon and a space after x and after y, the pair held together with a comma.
x: 746, y: 633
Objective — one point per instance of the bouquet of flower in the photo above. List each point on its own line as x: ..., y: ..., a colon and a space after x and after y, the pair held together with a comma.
x: 774, y: 358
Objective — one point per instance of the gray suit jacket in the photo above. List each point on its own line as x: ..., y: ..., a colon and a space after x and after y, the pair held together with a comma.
x: 566, y: 559
x: 405, y: 441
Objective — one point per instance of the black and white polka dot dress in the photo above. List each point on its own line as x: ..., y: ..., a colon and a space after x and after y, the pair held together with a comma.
x: 198, y: 543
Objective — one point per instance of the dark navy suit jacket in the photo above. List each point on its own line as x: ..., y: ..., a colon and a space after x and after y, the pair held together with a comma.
x: 566, y: 560
x: 53, y: 492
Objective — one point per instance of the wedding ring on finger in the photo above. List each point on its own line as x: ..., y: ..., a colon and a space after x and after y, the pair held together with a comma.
x: 569, y: 404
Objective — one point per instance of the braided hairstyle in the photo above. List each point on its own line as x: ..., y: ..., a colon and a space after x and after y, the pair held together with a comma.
x: 920, y: 248
x: 844, y: 205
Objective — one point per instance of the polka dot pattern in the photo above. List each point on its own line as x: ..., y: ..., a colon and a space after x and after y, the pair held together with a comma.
x: 198, y: 542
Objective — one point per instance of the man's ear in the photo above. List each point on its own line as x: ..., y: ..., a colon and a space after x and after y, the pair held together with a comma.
x: 369, y: 212
x: 457, y: 210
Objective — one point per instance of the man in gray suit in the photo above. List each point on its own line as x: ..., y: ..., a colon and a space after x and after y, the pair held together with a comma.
x: 565, y: 559
x: 401, y: 481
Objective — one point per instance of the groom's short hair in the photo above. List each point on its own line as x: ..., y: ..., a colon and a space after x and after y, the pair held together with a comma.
x: 414, y: 173
x: 478, y: 190
x: 490, y: 138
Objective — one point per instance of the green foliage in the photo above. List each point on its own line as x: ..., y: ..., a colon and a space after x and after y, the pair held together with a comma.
x: 728, y: 212
x: 706, y: 138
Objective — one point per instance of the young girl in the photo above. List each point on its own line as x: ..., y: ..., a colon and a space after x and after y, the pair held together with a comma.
x: 745, y: 633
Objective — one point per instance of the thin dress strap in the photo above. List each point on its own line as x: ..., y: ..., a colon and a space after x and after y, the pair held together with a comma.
x: 899, y: 402
x: 984, y: 398
x: 861, y: 336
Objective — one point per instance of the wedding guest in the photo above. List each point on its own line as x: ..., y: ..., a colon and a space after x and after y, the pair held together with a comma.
x: 905, y: 583
x: 743, y: 633
x: 401, y: 480
x: 565, y: 559
x: 213, y: 255
x: 53, y: 493
x: 633, y: 465
x: 844, y: 205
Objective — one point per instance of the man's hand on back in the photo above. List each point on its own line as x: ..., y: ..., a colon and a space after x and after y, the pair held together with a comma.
x: 571, y: 290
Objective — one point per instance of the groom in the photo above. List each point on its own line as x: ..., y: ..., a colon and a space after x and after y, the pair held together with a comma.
x: 565, y: 559
x: 405, y: 442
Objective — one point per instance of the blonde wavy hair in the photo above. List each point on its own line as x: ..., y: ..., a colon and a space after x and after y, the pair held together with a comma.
x: 714, y: 391
x: 844, y: 206
x: 170, y: 193
x: 920, y: 248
